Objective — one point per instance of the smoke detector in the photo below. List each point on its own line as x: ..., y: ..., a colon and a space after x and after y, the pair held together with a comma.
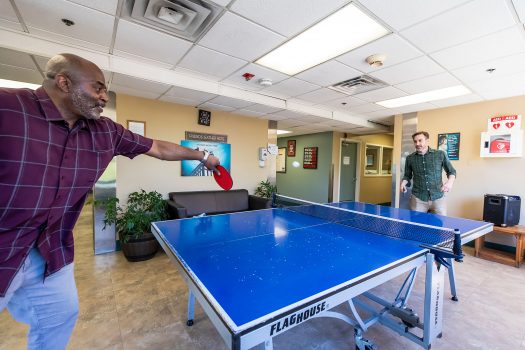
x: 375, y: 60
x: 265, y: 82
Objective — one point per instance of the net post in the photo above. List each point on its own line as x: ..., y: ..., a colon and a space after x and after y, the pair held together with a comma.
x: 458, y: 251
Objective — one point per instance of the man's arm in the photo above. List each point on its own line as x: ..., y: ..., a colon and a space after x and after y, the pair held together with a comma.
x: 406, y: 176
x: 451, y: 174
x: 165, y: 150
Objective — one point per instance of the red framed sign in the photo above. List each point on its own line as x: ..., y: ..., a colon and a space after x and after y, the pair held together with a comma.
x: 310, y: 158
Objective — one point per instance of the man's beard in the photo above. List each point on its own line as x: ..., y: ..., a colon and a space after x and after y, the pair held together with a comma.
x: 84, y: 104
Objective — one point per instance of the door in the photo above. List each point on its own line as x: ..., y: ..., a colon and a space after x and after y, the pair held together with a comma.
x: 348, y: 164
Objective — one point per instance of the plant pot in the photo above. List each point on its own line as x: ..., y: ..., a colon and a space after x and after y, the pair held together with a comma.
x: 140, y: 249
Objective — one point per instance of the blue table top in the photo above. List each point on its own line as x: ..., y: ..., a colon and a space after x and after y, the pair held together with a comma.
x: 254, y: 263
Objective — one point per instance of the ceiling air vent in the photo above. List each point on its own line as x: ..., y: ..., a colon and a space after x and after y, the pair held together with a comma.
x: 184, y: 18
x: 358, y: 85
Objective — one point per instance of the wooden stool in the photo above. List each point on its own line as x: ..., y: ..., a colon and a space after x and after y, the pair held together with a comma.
x: 502, y: 257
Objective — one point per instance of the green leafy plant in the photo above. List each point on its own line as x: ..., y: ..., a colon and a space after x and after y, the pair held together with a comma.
x: 265, y: 189
x: 134, y: 219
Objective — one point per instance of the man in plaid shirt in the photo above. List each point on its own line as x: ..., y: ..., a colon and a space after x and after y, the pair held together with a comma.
x: 55, y: 145
x: 425, y: 168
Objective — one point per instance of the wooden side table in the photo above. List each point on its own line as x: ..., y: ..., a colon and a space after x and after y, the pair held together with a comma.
x: 518, y: 231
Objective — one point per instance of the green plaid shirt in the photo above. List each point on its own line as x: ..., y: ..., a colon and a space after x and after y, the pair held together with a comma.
x: 426, y: 172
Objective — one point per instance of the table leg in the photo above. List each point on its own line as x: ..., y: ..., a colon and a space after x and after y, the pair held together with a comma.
x: 478, y: 245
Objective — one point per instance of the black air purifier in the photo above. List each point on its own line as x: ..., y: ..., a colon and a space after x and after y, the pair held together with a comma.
x: 502, y: 209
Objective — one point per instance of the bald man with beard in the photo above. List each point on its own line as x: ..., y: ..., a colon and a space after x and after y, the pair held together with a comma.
x: 55, y: 145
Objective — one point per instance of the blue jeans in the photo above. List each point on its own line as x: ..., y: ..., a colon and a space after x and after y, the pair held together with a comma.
x: 49, y: 306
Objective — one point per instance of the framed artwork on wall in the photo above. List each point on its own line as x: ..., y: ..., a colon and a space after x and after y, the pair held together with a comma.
x: 138, y: 127
x: 291, y: 148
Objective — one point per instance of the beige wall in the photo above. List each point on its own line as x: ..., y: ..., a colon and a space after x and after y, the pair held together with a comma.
x: 167, y: 121
x: 370, y: 189
x: 477, y: 176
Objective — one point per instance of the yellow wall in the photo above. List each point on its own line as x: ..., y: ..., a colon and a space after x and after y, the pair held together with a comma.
x: 477, y: 176
x: 371, y: 189
x: 167, y: 121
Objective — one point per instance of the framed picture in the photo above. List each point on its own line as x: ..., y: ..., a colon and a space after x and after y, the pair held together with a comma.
x: 281, y: 160
x: 291, y: 148
x: 137, y: 127
x: 449, y: 143
x: 310, y: 158
x: 369, y: 159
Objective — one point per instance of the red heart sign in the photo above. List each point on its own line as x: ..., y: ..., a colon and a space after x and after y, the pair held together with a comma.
x: 509, y: 124
x: 496, y: 125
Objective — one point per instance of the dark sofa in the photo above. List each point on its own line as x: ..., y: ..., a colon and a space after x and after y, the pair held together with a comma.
x: 188, y: 204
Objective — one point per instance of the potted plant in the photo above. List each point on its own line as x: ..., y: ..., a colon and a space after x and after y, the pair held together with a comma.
x: 133, y: 222
x: 265, y: 189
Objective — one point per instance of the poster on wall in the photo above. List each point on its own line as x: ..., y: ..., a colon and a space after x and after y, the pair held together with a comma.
x: 281, y: 160
x: 196, y: 168
x: 449, y: 143
x: 310, y: 158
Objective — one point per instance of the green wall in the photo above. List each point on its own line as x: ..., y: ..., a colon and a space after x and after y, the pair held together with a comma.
x: 309, y: 184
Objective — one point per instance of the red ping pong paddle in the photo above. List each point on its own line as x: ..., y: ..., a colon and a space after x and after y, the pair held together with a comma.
x: 223, y: 177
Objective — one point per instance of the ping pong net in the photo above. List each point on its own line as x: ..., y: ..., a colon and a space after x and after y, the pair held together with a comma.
x: 442, y: 242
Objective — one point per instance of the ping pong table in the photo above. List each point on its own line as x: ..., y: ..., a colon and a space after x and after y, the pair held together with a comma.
x: 260, y: 273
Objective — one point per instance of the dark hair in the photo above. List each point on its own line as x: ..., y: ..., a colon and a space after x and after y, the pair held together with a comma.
x: 424, y: 133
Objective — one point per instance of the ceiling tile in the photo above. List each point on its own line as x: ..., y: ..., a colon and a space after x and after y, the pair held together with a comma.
x: 369, y: 107
x: 469, y: 21
x: 292, y: 87
x: 460, y: 100
x: 8, y: 18
x: 236, y: 36
x: 434, y: 82
x: 329, y: 73
x: 248, y: 113
x: 138, y: 84
x: 193, y: 95
x: 501, y: 44
x: 91, y: 26
x: 395, y: 48
x: 16, y: 59
x: 275, y: 14
x: 126, y: 90
x: 180, y: 100
x: 230, y: 102
x: 400, y: 14
x: 107, y: 6
x: 262, y: 109
x: 410, y: 70
x: 146, y: 42
x: 259, y: 72
x: 345, y: 102
x: 210, y: 62
x: 288, y: 114
x: 503, y: 67
x: 320, y: 96
x: 507, y: 86
x: 20, y: 74
x: 385, y: 93
x: 216, y: 107
x: 519, y: 5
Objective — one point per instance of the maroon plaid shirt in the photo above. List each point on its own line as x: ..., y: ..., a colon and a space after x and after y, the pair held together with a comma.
x: 46, y: 170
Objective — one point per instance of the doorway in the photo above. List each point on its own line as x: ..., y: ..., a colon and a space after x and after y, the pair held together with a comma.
x: 348, y: 170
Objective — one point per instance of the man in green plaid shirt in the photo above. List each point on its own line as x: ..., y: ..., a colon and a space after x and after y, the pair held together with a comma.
x: 425, y: 168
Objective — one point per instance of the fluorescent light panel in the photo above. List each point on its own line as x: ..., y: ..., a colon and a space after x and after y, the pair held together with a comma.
x: 428, y: 96
x: 342, y: 31
x: 17, y: 84
x: 281, y: 132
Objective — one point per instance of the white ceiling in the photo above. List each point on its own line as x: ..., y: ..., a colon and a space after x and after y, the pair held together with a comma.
x: 433, y: 44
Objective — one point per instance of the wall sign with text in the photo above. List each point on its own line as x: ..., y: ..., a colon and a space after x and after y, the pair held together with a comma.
x: 449, y: 143
x: 310, y: 158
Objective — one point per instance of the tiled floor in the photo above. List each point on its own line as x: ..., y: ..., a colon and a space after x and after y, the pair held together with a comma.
x: 143, y: 305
